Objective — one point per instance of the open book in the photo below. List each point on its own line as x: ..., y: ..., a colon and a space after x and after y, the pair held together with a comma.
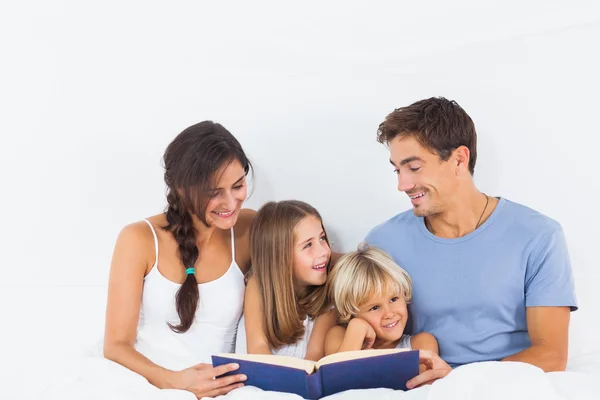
x: 362, y: 369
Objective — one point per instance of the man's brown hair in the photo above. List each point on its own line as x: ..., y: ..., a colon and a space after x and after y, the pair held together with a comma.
x: 438, y: 124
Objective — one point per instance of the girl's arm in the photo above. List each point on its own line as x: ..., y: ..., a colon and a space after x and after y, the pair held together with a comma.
x: 424, y: 341
x: 256, y: 340
x: 129, y: 265
x: 358, y: 336
x: 316, y: 343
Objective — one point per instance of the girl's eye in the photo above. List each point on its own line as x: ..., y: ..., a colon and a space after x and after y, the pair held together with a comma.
x: 307, y: 245
x: 322, y: 238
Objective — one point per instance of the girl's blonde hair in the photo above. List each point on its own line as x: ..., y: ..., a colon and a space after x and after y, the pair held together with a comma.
x: 357, y: 276
x: 272, y: 254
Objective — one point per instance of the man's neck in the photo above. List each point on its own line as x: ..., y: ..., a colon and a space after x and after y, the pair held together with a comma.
x: 462, y: 215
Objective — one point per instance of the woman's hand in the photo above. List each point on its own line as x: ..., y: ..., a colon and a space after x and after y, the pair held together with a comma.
x: 435, y: 368
x: 203, y: 380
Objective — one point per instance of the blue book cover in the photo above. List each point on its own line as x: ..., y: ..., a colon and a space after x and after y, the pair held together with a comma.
x: 364, y: 369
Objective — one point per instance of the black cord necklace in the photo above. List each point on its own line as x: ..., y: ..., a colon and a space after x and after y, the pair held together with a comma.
x: 487, y: 200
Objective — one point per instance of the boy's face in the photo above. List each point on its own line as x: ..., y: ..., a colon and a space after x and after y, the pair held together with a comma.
x: 386, y: 313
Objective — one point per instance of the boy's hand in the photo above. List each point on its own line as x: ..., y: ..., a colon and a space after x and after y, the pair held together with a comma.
x: 362, y: 328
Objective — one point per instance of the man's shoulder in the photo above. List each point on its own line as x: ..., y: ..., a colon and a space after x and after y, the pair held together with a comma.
x: 397, y: 225
x: 527, y: 219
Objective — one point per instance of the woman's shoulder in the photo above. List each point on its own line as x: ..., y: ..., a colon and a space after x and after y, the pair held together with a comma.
x: 139, y: 235
x: 244, y: 222
x: 135, y: 245
x: 242, y: 238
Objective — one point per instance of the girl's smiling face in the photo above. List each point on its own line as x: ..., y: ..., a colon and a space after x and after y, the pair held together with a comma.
x: 311, y: 254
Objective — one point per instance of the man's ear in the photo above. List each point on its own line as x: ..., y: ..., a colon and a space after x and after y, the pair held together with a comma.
x: 461, y: 156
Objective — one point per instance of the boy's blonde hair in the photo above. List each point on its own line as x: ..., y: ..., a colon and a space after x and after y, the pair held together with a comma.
x: 356, y: 276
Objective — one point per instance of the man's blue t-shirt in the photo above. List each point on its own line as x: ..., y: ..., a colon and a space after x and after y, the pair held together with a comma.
x: 471, y: 293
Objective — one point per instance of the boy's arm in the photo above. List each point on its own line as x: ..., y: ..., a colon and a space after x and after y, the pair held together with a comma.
x: 424, y: 341
x: 334, y: 339
x: 358, y: 336
x: 316, y: 343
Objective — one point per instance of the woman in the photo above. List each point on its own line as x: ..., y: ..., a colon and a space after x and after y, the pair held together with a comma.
x: 181, y: 272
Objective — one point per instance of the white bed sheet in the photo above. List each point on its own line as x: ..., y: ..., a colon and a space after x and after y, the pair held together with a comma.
x: 31, y: 369
x: 95, y: 378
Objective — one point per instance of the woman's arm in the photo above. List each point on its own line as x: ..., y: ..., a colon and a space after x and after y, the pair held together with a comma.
x: 256, y: 340
x: 134, y: 249
x: 316, y: 344
x: 129, y: 265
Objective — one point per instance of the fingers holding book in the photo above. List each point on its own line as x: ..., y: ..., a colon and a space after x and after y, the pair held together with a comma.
x: 435, y: 368
x: 204, y: 380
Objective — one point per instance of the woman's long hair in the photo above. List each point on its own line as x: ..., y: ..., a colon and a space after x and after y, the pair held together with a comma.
x: 192, y: 162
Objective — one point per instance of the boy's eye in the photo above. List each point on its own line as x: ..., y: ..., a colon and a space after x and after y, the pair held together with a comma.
x: 394, y: 299
x: 374, y: 308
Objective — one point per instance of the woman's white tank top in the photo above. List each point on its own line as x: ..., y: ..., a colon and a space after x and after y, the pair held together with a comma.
x: 219, y: 309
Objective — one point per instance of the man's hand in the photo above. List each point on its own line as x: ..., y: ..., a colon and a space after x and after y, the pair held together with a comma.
x: 435, y: 368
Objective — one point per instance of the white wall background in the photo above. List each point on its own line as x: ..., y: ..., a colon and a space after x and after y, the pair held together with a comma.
x: 92, y: 92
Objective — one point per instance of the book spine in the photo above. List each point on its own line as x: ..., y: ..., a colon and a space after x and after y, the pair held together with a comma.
x: 314, y: 385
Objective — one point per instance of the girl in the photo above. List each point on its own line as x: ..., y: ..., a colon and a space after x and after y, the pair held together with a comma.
x: 370, y: 292
x: 286, y: 310
x: 181, y: 272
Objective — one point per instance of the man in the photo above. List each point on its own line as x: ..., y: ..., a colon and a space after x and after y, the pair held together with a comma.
x: 491, y: 278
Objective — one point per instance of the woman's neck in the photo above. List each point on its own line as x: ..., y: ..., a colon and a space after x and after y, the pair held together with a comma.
x: 204, y: 234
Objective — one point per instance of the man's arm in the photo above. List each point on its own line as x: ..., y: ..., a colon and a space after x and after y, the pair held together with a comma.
x: 549, y: 298
x: 549, y: 334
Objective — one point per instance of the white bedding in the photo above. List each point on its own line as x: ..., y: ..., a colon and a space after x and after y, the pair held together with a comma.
x: 37, y: 370
x: 95, y: 378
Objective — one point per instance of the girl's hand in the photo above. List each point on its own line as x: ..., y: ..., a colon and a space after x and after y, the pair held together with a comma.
x: 203, y: 380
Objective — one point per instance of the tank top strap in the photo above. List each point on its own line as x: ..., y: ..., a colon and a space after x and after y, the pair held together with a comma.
x: 232, y: 246
x: 155, y: 242
x: 404, y: 342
